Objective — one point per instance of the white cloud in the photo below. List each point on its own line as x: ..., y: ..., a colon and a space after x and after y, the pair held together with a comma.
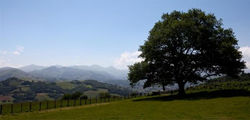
x: 19, y: 50
x: 6, y: 56
x: 16, y: 53
x: 127, y: 58
x: 5, y: 63
x: 246, y: 55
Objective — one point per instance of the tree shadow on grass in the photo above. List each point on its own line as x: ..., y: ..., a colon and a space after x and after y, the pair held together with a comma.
x: 200, y: 95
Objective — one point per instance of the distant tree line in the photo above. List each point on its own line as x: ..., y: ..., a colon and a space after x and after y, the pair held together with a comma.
x: 75, y: 95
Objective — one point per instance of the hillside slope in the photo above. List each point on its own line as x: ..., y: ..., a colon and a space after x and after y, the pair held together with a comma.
x: 233, y: 108
x: 8, y: 72
x: 22, y: 90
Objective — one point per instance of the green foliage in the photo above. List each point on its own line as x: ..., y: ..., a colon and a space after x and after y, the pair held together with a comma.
x: 224, y: 83
x: 84, y: 97
x: 104, y: 95
x: 67, y: 97
x: 134, y: 94
x: 187, y: 47
x: 137, y: 72
x: 76, y: 95
x: 66, y: 85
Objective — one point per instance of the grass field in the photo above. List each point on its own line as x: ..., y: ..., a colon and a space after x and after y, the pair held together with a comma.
x: 150, y: 108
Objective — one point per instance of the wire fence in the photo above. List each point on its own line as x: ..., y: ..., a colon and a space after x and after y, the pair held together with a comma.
x: 46, y: 105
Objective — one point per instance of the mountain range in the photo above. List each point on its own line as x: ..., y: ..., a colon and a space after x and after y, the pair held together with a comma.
x: 64, y: 73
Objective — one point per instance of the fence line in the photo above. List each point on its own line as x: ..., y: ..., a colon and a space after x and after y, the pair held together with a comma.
x: 45, y: 105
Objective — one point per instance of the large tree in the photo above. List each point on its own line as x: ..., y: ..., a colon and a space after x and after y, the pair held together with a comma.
x: 187, y: 47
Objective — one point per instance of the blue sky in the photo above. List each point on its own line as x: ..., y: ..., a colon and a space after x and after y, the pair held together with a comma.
x: 107, y: 33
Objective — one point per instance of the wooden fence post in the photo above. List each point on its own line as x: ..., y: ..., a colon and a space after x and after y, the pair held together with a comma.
x: 30, y: 106
x: 55, y: 104
x: 11, y: 108
x: 21, y: 107
x: 61, y: 104
x: 68, y: 102
x: 40, y: 106
x: 47, y: 105
x: 1, y: 109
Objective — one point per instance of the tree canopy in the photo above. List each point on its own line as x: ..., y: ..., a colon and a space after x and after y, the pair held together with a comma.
x: 187, y: 47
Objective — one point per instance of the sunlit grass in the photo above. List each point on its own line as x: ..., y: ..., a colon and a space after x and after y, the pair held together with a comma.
x: 230, y: 108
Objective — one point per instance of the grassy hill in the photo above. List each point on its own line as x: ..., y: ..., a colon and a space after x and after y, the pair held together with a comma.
x: 149, y: 108
x: 224, y: 83
x: 22, y: 90
x: 219, y: 99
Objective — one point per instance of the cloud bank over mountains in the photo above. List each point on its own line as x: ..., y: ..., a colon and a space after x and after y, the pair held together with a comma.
x: 122, y: 62
x: 5, y: 56
x: 127, y: 58
x: 18, y: 51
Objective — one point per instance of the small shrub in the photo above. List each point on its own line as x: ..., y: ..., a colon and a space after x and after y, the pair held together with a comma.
x: 134, y: 94
x: 84, y: 97
x: 75, y: 95
x: 156, y: 93
x: 104, y: 95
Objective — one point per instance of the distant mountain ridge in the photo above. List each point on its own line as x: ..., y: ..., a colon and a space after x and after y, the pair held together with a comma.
x: 120, y: 74
x: 65, y: 73
x: 69, y: 73
x: 8, y: 72
x: 31, y: 67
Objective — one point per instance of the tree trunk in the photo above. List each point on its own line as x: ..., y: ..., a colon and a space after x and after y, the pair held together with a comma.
x: 163, y: 87
x: 181, y: 89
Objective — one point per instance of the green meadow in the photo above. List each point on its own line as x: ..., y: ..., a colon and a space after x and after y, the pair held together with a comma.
x: 149, y: 108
